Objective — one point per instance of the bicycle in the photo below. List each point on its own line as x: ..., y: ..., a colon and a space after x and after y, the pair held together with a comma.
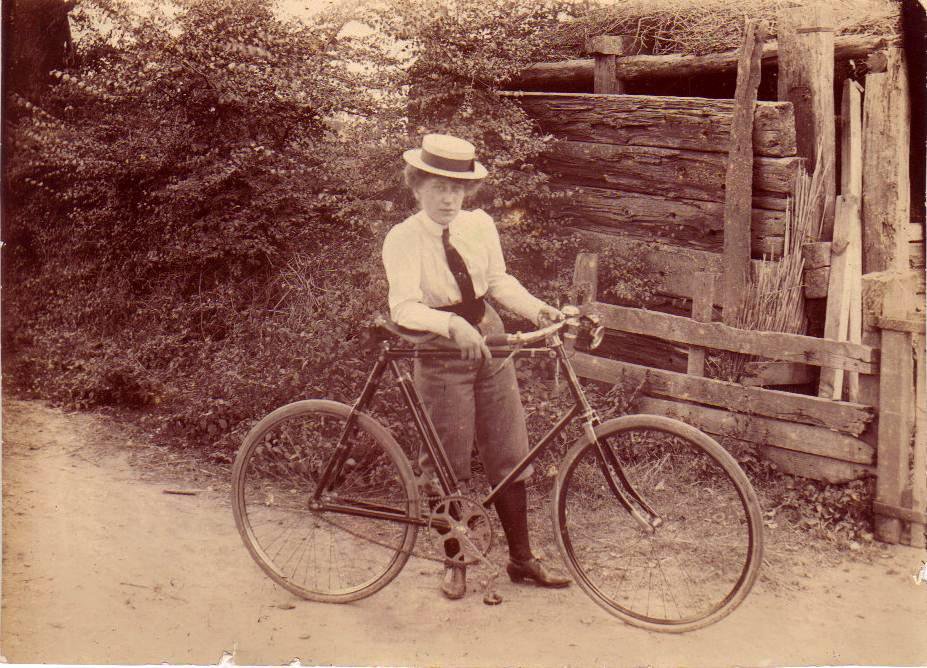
x: 656, y: 522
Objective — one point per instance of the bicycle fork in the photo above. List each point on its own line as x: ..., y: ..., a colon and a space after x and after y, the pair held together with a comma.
x: 649, y: 520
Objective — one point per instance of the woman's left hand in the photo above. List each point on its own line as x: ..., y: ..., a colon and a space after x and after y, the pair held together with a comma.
x: 549, y: 315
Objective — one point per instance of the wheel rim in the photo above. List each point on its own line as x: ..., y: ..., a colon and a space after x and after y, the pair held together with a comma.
x: 316, y: 554
x: 694, y: 568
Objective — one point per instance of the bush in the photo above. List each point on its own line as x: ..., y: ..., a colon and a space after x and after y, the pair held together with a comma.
x: 197, y: 207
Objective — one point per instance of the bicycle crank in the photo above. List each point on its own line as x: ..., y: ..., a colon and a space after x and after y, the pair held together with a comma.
x: 469, y: 535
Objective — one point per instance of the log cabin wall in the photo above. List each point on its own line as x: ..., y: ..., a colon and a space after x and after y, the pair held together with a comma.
x: 652, y: 168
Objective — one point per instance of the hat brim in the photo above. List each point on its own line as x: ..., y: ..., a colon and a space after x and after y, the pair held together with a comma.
x: 414, y: 158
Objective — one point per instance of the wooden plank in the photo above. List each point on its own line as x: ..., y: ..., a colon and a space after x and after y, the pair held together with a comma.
x: 895, y: 391
x: 837, y: 320
x: 738, y: 178
x: 692, y: 223
x: 702, y: 310
x: 901, y: 513
x: 806, y: 79
x: 764, y: 431
x: 851, y: 183
x: 900, y: 324
x: 771, y: 345
x: 919, y: 460
x: 851, y: 139
x: 674, y: 173
x: 836, y: 416
x: 831, y: 471
x: 586, y: 278
x: 887, y: 189
x: 692, y: 123
x: 579, y: 72
x: 771, y: 373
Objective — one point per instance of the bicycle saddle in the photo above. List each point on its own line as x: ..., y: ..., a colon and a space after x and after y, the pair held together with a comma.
x: 386, y: 327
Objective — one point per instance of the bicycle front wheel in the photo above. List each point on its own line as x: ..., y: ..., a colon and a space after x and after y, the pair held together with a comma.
x: 324, y: 555
x: 700, y: 561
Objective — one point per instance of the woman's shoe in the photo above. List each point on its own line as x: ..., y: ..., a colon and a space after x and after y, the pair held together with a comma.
x: 454, y: 584
x: 534, y: 569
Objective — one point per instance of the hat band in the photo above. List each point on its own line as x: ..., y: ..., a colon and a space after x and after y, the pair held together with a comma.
x: 447, y: 164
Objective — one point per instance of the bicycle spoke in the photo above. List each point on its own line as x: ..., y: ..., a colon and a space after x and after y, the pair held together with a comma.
x: 317, y: 553
x: 686, y: 570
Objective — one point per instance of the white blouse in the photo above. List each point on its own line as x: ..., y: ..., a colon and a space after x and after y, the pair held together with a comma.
x: 419, y: 278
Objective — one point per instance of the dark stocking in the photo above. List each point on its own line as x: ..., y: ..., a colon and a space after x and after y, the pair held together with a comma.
x: 512, y: 508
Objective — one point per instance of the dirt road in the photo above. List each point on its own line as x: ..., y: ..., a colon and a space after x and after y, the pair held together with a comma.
x: 101, y: 566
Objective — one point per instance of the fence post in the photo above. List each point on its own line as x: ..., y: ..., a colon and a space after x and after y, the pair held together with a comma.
x: 886, y: 190
x: 738, y: 179
x: 703, y: 303
x: 896, y: 390
x: 585, y: 278
x: 606, y: 48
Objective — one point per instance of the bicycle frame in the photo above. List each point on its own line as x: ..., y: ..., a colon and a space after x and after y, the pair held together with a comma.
x: 389, y: 357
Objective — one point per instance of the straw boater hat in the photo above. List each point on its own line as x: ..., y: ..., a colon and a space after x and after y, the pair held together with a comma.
x: 448, y: 156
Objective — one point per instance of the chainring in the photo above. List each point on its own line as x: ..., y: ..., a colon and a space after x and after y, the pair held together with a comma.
x: 470, y: 529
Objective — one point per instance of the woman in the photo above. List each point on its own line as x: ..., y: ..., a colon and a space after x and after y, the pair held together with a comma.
x: 441, y: 263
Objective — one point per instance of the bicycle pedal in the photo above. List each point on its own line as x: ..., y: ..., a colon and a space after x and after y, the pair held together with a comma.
x: 492, y: 598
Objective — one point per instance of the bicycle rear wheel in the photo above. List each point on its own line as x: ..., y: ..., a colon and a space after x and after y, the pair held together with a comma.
x: 700, y: 562
x: 327, y: 556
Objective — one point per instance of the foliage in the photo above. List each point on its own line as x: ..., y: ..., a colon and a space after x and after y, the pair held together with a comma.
x: 197, y: 206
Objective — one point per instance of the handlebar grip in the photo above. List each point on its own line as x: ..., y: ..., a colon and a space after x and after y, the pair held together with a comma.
x: 497, y: 340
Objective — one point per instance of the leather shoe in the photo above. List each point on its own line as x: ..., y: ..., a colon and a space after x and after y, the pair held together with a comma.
x: 454, y: 584
x: 533, y: 569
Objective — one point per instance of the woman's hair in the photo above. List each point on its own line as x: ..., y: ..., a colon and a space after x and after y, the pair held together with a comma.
x: 415, y: 177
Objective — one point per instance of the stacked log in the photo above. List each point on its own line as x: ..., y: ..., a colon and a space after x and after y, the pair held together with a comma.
x: 653, y: 168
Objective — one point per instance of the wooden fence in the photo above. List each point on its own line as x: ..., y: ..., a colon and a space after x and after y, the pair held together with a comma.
x: 810, y: 436
x: 677, y: 181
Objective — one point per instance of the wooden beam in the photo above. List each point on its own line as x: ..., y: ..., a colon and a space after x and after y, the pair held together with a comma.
x: 715, y: 335
x: 545, y: 76
x: 837, y: 320
x: 684, y: 222
x: 764, y: 431
x: 673, y: 173
x: 702, y: 310
x: 692, y: 123
x: 895, y: 419
x: 806, y: 79
x: 816, y: 282
x: 738, y: 180
x: 887, y: 189
x: 836, y: 416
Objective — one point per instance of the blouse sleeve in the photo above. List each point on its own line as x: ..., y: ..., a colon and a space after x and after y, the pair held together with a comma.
x: 403, y: 272
x: 503, y: 287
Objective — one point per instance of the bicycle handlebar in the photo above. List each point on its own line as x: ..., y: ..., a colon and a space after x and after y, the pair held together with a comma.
x: 573, y: 322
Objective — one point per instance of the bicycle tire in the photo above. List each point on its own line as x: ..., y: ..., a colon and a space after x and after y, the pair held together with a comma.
x: 693, y: 569
x: 323, y: 556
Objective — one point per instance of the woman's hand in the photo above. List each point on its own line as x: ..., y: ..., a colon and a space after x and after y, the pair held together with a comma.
x: 468, y: 339
x: 548, y: 315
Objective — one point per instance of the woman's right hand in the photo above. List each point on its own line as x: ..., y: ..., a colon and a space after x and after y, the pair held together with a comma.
x: 468, y: 339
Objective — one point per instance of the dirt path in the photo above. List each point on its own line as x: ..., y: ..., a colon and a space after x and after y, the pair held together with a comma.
x: 100, y: 566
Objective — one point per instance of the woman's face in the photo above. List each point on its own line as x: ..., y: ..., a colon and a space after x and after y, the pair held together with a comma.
x: 441, y: 198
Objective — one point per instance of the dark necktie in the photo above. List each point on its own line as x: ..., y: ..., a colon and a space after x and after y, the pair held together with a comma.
x: 458, y: 268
